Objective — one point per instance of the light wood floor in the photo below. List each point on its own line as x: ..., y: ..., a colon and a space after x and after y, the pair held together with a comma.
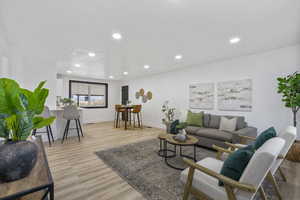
x: 80, y: 175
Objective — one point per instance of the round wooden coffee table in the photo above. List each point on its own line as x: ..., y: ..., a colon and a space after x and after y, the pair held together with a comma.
x: 162, y: 143
x: 191, y: 141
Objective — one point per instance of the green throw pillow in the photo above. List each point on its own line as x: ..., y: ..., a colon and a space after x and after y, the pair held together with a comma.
x: 264, y: 136
x: 194, y: 119
x: 236, y: 162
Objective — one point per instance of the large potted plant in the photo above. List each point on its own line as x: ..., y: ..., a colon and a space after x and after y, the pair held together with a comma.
x: 289, y: 87
x: 19, y: 116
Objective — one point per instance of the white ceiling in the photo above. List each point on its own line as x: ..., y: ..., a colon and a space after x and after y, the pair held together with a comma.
x: 154, y: 31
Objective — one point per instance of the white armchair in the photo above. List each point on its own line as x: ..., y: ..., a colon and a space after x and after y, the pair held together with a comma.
x: 289, y: 135
x: 201, y: 178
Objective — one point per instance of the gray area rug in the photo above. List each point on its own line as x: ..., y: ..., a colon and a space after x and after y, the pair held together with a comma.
x: 140, y: 166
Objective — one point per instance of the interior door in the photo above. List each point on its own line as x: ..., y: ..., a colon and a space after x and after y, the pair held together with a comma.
x: 125, y: 94
x: 125, y: 97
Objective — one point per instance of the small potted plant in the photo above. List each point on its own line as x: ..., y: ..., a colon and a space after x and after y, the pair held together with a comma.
x: 67, y: 101
x: 19, y: 115
x: 169, y: 114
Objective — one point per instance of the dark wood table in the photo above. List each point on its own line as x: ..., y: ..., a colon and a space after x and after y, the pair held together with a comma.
x: 127, y: 109
x: 36, y: 186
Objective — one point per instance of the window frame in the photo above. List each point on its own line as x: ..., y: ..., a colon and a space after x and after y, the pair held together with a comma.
x: 92, y: 83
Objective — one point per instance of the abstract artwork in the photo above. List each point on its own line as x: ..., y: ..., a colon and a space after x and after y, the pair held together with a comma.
x: 235, y: 95
x: 145, y: 97
x: 202, y: 96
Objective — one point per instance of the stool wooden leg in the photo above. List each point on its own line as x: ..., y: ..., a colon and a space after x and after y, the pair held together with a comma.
x: 139, y: 122
x: 117, y: 123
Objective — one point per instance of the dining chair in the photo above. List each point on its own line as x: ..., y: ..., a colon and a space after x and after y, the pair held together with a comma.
x: 201, y: 179
x: 46, y: 114
x: 71, y: 113
x: 136, y: 111
x: 118, y: 110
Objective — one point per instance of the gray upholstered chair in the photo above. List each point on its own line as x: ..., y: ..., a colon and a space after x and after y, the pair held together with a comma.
x: 201, y: 179
x: 46, y: 114
x: 70, y: 113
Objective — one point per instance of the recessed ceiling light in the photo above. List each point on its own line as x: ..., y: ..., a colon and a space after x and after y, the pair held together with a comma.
x: 111, y: 77
x: 234, y: 40
x: 92, y: 54
x: 77, y: 65
x: 178, y: 57
x: 146, y: 66
x: 125, y: 73
x: 69, y: 71
x: 117, y: 36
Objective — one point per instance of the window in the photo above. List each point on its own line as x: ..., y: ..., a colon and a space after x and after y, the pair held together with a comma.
x: 88, y: 94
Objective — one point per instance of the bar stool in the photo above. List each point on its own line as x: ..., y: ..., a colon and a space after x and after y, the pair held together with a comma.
x: 46, y: 114
x: 72, y: 113
x: 137, y: 112
x: 118, y: 110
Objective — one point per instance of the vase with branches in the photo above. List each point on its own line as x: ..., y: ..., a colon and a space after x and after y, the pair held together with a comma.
x: 289, y: 87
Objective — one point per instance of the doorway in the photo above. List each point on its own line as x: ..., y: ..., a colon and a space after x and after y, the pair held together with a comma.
x: 125, y: 94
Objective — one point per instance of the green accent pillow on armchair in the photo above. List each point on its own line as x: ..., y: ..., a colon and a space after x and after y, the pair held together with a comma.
x: 194, y: 119
x: 264, y: 136
x: 236, y: 162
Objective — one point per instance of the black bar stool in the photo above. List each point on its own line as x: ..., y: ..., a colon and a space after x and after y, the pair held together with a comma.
x: 46, y: 114
x: 72, y: 113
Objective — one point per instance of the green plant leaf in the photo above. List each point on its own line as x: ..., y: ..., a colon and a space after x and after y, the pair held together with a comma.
x: 36, y: 100
x: 10, y: 101
x: 40, y: 122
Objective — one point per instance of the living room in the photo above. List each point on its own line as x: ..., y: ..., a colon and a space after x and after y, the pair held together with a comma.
x: 149, y: 99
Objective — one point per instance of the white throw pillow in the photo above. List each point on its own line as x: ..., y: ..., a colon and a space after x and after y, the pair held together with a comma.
x: 228, y: 124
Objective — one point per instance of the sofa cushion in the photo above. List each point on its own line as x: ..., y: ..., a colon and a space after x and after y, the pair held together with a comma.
x: 240, y: 122
x: 228, y: 124
x: 214, y: 134
x: 191, y: 129
x: 195, y: 119
x: 206, y: 119
x: 214, y: 121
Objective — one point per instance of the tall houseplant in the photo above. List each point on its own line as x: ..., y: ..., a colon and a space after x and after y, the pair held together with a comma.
x: 19, y: 115
x: 289, y: 87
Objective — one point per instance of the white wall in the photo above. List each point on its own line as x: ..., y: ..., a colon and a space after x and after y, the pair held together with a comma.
x: 263, y: 69
x: 97, y: 114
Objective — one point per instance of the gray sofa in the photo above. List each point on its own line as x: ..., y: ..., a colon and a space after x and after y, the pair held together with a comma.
x: 210, y: 134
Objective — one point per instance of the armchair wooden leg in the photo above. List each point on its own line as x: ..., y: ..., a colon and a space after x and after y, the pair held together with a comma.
x: 188, y: 185
x: 219, y: 155
x: 274, y: 183
x: 230, y: 193
x: 262, y: 193
x: 282, y: 174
